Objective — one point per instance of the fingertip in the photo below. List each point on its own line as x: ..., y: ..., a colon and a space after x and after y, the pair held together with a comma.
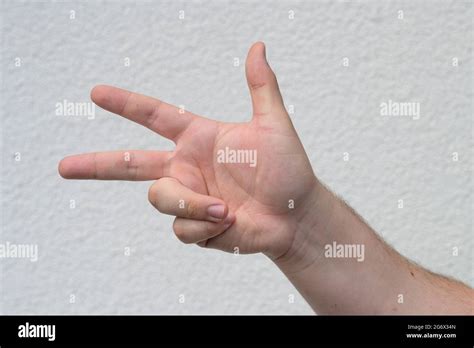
x: 62, y: 169
x: 99, y: 94
x: 259, y: 45
x: 226, y: 210
x: 257, y: 54
x: 73, y: 167
x: 230, y: 219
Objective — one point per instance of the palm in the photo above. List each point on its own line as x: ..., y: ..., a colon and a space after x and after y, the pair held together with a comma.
x: 260, y: 196
x: 264, y: 197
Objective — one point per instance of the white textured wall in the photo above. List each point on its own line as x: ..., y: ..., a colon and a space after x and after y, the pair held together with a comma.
x: 190, y: 62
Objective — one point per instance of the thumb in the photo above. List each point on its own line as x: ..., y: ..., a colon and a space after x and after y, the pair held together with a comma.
x: 262, y: 83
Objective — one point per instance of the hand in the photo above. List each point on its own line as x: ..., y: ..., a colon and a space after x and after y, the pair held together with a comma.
x: 254, y: 206
x: 271, y: 203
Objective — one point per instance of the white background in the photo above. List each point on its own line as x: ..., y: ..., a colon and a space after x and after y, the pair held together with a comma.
x: 191, y: 62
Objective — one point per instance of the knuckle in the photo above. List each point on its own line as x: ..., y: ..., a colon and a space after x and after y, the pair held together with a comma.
x: 257, y: 85
x: 153, y: 114
x: 152, y: 195
x: 192, y: 210
x: 130, y: 165
x: 180, y: 233
x: 209, y: 228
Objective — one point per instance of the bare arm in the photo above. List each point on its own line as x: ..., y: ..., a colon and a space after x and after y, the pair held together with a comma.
x: 368, y: 276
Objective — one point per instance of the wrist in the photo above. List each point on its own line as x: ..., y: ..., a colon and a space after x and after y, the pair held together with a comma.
x: 311, y: 230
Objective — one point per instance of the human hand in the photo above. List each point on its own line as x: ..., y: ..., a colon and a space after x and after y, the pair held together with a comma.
x: 257, y: 206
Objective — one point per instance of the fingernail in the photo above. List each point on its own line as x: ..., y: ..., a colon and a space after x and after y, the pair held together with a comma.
x: 216, y: 211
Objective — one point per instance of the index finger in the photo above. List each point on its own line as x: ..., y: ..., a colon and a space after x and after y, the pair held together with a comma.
x: 162, y: 118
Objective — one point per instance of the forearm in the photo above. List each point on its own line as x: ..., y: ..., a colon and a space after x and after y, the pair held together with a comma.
x: 340, y: 265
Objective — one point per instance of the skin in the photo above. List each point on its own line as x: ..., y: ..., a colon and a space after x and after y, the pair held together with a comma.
x: 278, y: 207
